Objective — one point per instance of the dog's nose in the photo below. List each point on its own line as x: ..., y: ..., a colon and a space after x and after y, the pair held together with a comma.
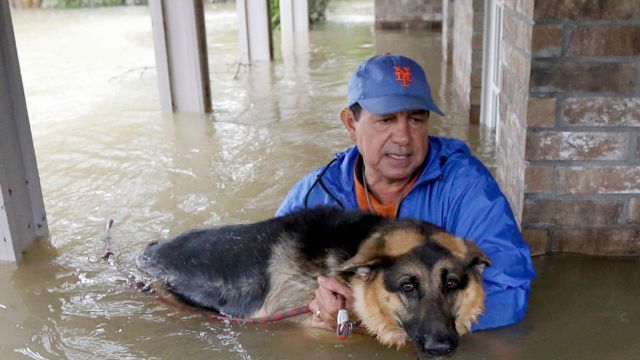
x: 437, y: 346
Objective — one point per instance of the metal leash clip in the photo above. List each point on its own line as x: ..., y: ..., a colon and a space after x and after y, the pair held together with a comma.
x: 345, y: 326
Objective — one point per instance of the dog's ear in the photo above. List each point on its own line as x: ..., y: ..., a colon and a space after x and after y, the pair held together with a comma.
x: 476, y: 258
x: 381, y: 247
x: 366, y: 273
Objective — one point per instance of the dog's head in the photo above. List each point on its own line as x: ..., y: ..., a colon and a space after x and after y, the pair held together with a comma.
x: 416, y: 283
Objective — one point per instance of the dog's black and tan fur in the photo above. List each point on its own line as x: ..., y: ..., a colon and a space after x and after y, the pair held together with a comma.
x: 411, y: 281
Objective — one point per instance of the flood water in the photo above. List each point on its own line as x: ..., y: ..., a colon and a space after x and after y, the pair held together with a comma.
x: 105, y: 151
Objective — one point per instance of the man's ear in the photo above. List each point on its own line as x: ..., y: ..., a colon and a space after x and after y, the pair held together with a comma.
x: 349, y: 121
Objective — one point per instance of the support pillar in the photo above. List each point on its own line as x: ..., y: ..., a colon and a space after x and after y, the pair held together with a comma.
x: 294, y: 21
x: 22, y: 214
x: 254, y: 30
x: 181, y: 55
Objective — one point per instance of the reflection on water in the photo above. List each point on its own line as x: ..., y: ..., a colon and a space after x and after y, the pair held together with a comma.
x: 105, y: 151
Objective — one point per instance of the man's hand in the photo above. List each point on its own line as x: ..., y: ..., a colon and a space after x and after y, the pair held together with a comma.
x: 326, y: 301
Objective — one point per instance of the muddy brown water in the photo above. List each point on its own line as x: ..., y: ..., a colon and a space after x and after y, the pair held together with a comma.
x: 105, y: 151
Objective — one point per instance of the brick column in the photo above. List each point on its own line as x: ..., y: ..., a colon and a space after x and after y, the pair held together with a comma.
x: 583, y: 174
x: 468, y: 30
x: 515, y: 61
x: 408, y: 14
x: 447, y: 30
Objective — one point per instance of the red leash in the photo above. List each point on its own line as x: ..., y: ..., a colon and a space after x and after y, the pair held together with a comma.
x: 264, y: 319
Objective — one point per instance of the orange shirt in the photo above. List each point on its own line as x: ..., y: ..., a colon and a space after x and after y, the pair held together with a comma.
x: 389, y: 210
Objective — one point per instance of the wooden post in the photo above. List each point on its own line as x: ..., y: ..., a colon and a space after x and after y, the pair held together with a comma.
x: 181, y: 55
x: 22, y: 214
x: 254, y: 30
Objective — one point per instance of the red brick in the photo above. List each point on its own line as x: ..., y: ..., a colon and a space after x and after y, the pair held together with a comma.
x: 599, y: 180
x: 476, y: 78
x: 508, y: 86
x: 516, y: 32
x: 517, y: 63
x: 478, y: 7
x: 474, y: 96
x: 510, y: 27
x: 475, y: 64
x: 476, y: 57
x: 593, y: 76
x: 525, y: 7
x: 537, y: 240
x: 478, y: 21
x: 476, y: 41
x: 552, y: 145
x: 605, y: 41
x: 474, y: 114
x: 602, y: 111
x: 610, y: 241
x: 541, y: 112
x: 538, y: 179
x: 586, y: 10
x: 547, y: 40
x: 634, y: 210
x: 570, y: 212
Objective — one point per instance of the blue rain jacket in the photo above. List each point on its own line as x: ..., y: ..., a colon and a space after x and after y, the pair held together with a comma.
x: 454, y: 191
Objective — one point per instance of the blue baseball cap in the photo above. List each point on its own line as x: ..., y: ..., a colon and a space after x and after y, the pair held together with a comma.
x: 389, y: 83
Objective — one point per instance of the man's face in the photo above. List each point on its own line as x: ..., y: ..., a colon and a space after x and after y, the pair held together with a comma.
x: 392, y: 146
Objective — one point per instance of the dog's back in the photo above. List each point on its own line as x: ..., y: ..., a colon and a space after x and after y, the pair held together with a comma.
x: 229, y: 268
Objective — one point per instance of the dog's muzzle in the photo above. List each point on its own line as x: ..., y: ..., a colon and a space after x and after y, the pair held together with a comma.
x: 436, y: 345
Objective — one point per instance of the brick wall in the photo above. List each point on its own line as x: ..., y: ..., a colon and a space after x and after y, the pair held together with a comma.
x: 476, y: 61
x: 408, y: 14
x: 515, y: 61
x: 468, y: 31
x: 583, y: 176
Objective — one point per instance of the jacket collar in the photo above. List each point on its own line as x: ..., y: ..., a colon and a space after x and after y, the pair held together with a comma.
x: 339, y: 176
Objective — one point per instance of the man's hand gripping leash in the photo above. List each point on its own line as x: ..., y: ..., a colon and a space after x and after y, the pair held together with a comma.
x: 344, y: 326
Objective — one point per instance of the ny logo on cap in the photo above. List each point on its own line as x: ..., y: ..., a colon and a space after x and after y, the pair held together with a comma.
x: 403, y: 73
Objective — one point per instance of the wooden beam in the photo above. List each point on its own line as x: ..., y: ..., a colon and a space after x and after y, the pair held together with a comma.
x: 22, y: 213
x: 182, y: 63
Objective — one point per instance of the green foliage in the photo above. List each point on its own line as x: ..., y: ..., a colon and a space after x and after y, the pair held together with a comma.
x: 275, y: 14
x: 317, y: 12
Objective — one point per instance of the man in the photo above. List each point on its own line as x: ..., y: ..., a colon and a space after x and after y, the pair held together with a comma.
x: 397, y: 170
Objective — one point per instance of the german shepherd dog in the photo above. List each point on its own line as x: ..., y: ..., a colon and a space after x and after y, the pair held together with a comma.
x: 411, y: 281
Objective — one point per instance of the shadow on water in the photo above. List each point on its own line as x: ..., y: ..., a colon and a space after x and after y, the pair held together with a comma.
x: 105, y: 151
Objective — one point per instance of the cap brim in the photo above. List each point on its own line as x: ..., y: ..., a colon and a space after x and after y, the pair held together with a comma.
x: 392, y: 104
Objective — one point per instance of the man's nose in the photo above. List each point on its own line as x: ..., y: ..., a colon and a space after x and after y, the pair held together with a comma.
x: 402, y: 132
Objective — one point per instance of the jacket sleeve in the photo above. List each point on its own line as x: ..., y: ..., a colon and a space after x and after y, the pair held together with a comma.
x: 480, y: 212
x: 295, y: 199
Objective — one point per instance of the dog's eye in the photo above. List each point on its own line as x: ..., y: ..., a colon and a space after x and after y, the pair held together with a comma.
x: 407, y: 287
x: 452, y: 283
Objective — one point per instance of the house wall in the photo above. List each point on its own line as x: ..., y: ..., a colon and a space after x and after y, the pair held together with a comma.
x: 468, y: 30
x: 582, y: 191
x: 408, y: 14
x: 515, y: 62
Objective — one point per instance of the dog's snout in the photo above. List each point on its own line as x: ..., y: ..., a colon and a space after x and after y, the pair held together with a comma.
x: 437, y: 345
